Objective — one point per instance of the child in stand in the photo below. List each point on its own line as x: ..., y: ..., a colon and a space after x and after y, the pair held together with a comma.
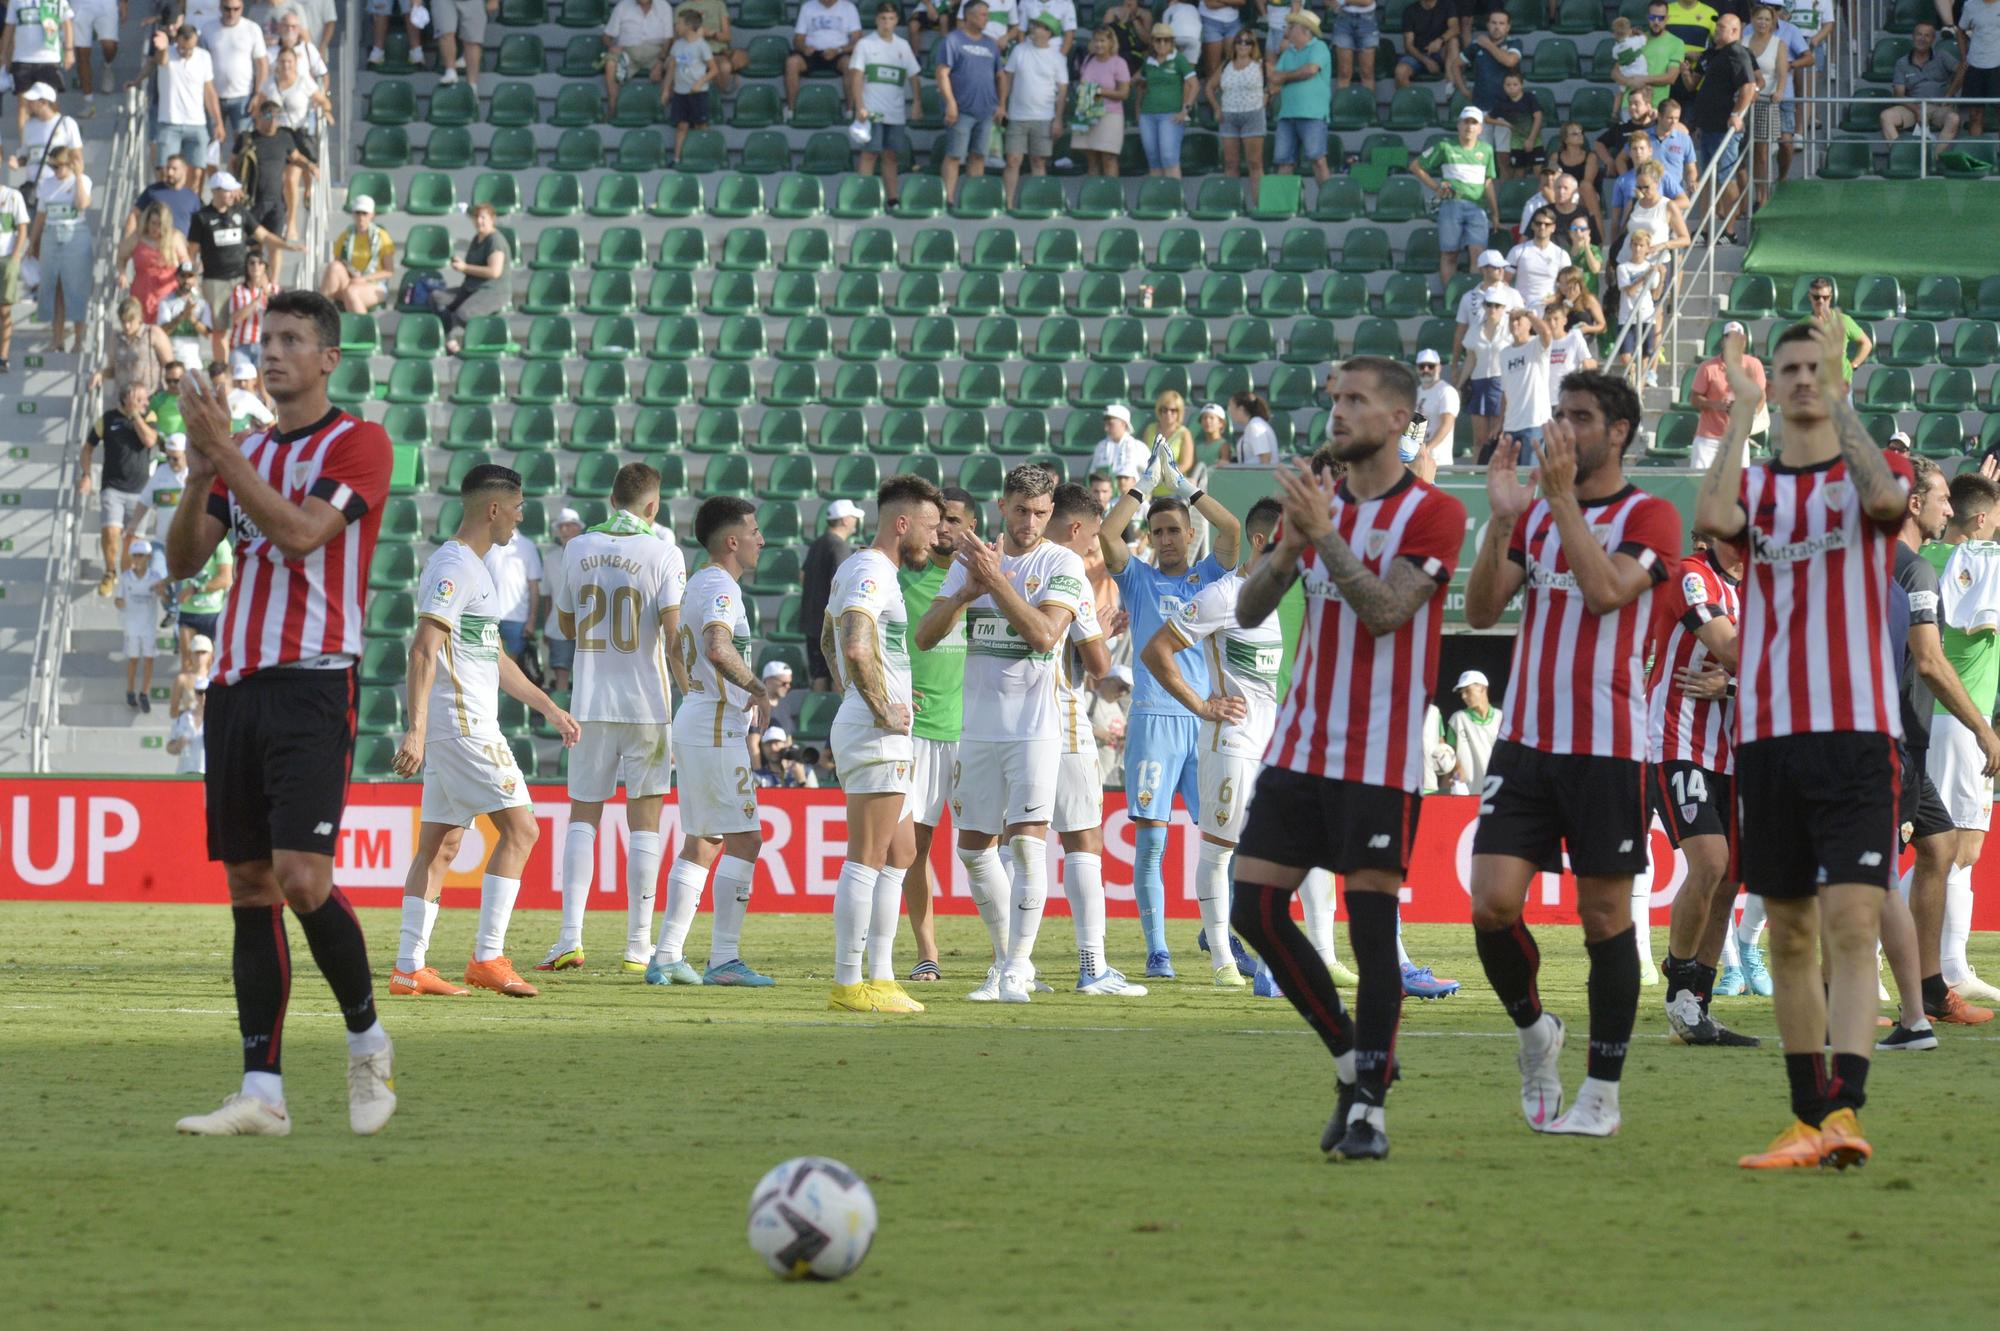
x: 140, y: 600
x: 1639, y: 282
x: 189, y: 705
x: 694, y: 68
x: 1628, y: 49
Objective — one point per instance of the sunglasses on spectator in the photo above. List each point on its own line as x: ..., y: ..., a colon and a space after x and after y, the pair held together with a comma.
x: 1818, y: 296
x: 1168, y: 40
x: 1580, y: 229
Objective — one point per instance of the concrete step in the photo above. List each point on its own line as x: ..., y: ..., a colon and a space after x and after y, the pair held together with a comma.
x: 131, y: 750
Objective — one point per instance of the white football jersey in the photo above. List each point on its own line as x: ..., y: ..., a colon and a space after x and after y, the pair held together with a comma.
x: 713, y: 714
x: 1245, y: 661
x: 457, y: 594
x: 1010, y: 691
x: 866, y: 582
x: 1969, y: 587
x: 1073, y: 684
x: 617, y: 585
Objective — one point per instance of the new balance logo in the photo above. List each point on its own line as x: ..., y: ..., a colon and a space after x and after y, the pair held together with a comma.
x: 1871, y: 859
x: 1380, y: 841
x: 1625, y: 846
x: 323, y: 829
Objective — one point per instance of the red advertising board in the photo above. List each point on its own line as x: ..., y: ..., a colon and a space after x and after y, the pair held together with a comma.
x: 91, y: 839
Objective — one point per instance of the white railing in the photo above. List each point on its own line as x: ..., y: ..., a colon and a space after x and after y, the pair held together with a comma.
x: 120, y: 184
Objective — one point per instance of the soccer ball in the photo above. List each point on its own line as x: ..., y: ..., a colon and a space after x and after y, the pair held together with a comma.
x: 812, y: 1219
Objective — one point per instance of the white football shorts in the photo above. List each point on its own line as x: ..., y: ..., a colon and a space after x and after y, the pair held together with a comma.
x: 999, y: 783
x: 717, y: 794
x: 1958, y: 770
x: 635, y: 754
x: 1079, y: 792
x: 467, y: 775
x: 871, y: 760
x: 1226, y: 786
x: 141, y: 644
x: 930, y: 778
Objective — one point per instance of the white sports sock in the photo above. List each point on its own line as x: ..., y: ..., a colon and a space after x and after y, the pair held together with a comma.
x: 496, y: 908
x: 987, y: 879
x: 685, y: 882
x: 1957, y: 926
x: 1730, y: 956
x: 1642, y: 919
x: 642, y: 885
x: 266, y: 1086
x: 371, y: 1041
x: 1402, y: 953
x: 1317, y: 897
x: 733, y: 878
x: 1083, y: 884
x: 1031, y: 896
x: 882, y: 924
x: 1211, y: 890
x: 853, y: 906
x: 1752, y: 922
x: 579, y: 864
x: 418, y: 917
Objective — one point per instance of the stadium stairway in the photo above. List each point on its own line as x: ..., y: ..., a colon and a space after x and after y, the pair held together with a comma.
x: 34, y: 405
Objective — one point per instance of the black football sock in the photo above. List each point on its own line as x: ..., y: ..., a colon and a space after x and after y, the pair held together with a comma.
x: 1680, y: 974
x: 1935, y: 992
x: 261, y: 962
x: 1807, y: 1075
x: 1378, y: 1003
x: 1263, y: 916
x: 1704, y: 985
x: 1847, y: 1088
x: 1512, y: 962
x: 334, y: 934
x: 1614, y: 1003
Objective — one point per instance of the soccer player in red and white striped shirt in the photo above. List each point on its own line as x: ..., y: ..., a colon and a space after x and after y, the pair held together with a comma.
x: 301, y: 501
x: 1345, y: 763
x: 1817, y: 720
x: 1569, y: 769
x: 1691, y: 776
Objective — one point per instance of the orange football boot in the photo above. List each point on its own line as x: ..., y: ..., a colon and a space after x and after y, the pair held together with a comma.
x: 1797, y: 1147
x: 1841, y: 1145
x: 499, y: 976
x: 425, y: 981
x: 1955, y: 1011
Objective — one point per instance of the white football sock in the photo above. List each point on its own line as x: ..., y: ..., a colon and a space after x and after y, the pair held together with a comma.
x: 1083, y: 884
x: 882, y: 924
x: 642, y: 885
x: 733, y: 878
x: 1752, y: 922
x: 1957, y: 926
x: 1730, y: 956
x: 579, y: 863
x: 987, y: 879
x: 1211, y: 890
x: 1642, y: 919
x: 1031, y: 896
x: 496, y: 908
x: 853, y: 906
x: 266, y: 1086
x: 1402, y: 953
x: 371, y: 1041
x: 1317, y: 897
x: 418, y: 917
x: 685, y: 882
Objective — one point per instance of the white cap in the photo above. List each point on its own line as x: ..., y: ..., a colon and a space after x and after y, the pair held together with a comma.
x: 1473, y: 113
x: 774, y: 735
x: 1429, y: 357
x: 176, y: 442
x: 201, y: 642
x: 569, y: 515
x: 1903, y: 435
x: 242, y: 367
x: 41, y: 92
x: 421, y: 16
x: 1469, y: 678
x: 1491, y: 259
x: 776, y: 668
x: 361, y: 203
x: 842, y: 508
x: 1212, y: 409
x: 140, y: 547
x: 223, y: 180
x: 1123, y: 674
x: 1118, y: 411
x: 1734, y: 327
x: 1504, y: 295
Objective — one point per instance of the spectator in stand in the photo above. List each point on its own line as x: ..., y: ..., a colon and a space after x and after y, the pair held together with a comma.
x: 1574, y: 288
x: 1003, y: 21
x: 693, y: 68
x: 1652, y: 213
x: 37, y: 43
x: 1571, y: 206
x: 1492, y: 267
x: 1924, y: 75
x: 1693, y: 22
x: 14, y: 222
x: 1064, y: 11
x: 303, y: 107
x: 1237, y: 96
x: 1524, y: 381
x: 59, y: 240
x: 247, y: 302
x: 516, y: 569
x: 1033, y: 86
x: 138, y: 354
x: 636, y: 38
x: 968, y: 74
x: 1624, y: 188
x: 357, y: 278
x: 1184, y: 19
x: 1857, y: 345
x: 1488, y: 58
x: 1132, y: 24
x: 1979, y: 76
x: 1772, y: 66
x: 822, y: 39
x: 169, y: 187
x: 823, y: 556
x: 777, y: 771
x: 1710, y: 394
x: 1256, y: 441
x: 1573, y: 158
x: 1472, y: 729
x: 1356, y: 30
x: 141, y: 593
x: 1104, y: 139
x: 484, y: 290
x: 190, y: 116
x: 379, y: 12
x: 201, y: 599
x: 187, y: 319
x: 1169, y: 423
x: 1430, y: 42
x: 885, y: 80
x: 1803, y: 57
x: 248, y: 407
x: 272, y: 169
x: 560, y: 656
x: 456, y: 21
x: 715, y: 30
x: 1640, y: 118
x: 1717, y: 90
x: 1303, y: 87
x: 781, y: 704
x: 163, y: 491
x: 1167, y: 87
x: 1673, y: 146
x: 1536, y: 261
x: 1437, y: 403
x: 1211, y: 434
x: 1517, y: 127
x: 1480, y: 389
x: 1628, y: 50
x: 94, y: 20
x: 1640, y: 281
x: 222, y: 235
x: 127, y: 438
x: 1569, y: 350
x: 236, y: 49
x: 1120, y: 454
x: 1221, y: 20
x: 1110, y: 701
x: 295, y: 36
x: 1545, y: 193
x: 155, y: 251
x: 1467, y: 204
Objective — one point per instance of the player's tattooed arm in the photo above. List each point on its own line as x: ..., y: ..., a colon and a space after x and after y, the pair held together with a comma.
x: 1269, y: 579
x: 1883, y: 495
x: 720, y: 648
x: 1384, y: 603
x: 863, y: 666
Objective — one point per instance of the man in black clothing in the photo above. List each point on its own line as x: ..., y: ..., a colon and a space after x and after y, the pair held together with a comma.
x: 1430, y: 43
x: 1716, y: 88
x: 822, y: 558
x: 264, y: 152
x: 127, y: 436
x: 222, y: 234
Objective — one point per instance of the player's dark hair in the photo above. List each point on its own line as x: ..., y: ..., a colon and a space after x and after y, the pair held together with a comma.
x: 906, y: 489
x: 1263, y: 517
x: 489, y: 477
x: 1922, y: 469
x: 1391, y: 376
x: 1971, y: 495
x: 1614, y: 397
x: 1073, y: 501
x: 958, y: 494
x: 314, y: 308
x: 718, y: 515
x: 1165, y: 504
x: 1803, y: 331
x: 1031, y: 480
x: 634, y: 481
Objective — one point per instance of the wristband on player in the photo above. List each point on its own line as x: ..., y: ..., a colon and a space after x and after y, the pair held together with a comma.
x: 1195, y: 498
x: 1136, y: 495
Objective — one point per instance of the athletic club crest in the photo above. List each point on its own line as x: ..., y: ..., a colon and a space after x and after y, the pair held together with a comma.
x: 1375, y: 543
x: 1688, y: 813
x: 1835, y: 495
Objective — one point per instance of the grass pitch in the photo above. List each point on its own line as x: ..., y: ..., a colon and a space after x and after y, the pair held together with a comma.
x: 584, y: 1159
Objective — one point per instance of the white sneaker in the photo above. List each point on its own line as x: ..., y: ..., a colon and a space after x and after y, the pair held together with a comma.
x: 989, y: 991
x: 446, y: 79
x: 1541, y: 1079
x: 1110, y: 982
x: 1684, y: 1013
x: 376, y: 55
x: 1975, y: 990
x: 371, y: 1090
x: 240, y: 1116
x: 1593, y: 1115
x: 1015, y: 988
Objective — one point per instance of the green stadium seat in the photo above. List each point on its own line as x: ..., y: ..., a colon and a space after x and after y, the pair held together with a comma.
x: 1411, y: 109
x: 676, y: 196
x: 1241, y: 250
x: 814, y: 722
x: 1028, y: 432
x: 579, y: 150
x: 807, y: 338
x: 728, y: 385
x: 818, y: 107
x: 669, y: 293
x: 934, y: 338
x: 557, y: 248
x: 382, y: 661
x: 1940, y: 436
x: 453, y: 104
x: 1057, y: 250
x: 1937, y: 297
x: 1378, y: 337
x: 386, y: 146
x: 391, y: 102
x: 1365, y: 250
x: 745, y: 250
x: 1402, y: 199
x: 419, y: 336
x: 1038, y: 295
x: 1554, y: 60
x: 1949, y: 390
x: 758, y: 106
x: 1038, y: 199
x: 508, y: 150
x: 1180, y: 250
x: 1169, y: 296
x: 741, y: 338
x: 793, y: 294
x: 375, y: 755
x: 997, y: 338
x: 539, y: 474
x: 407, y: 473
x: 1184, y: 342
x: 858, y: 198
x: 1969, y: 161
x: 621, y: 249
x: 351, y: 384
x: 359, y: 334
x: 593, y: 430
x: 982, y: 474
x: 995, y: 250
x: 613, y: 338
x: 471, y: 428
x: 1217, y: 199
x: 462, y: 466
x: 450, y: 513
x: 479, y: 383
x: 520, y: 56
x: 656, y: 430
x: 777, y: 572
x: 499, y: 191
x: 1098, y: 296
x: 1985, y: 303
x: 1121, y: 341
x: 933, y: 250
x: 842, y: 430
x: 829, y: 153
x: 581, y: 57
x: 1353, y: 108
x: 807, y: 250
x: 1914, y: 342
x: 1674, y: 437
x: 533, y: 430
x: 903, y: 430
x: 798, y: 197
x: 1312, y: 342
x: 720, y: 431
x: 1248, y: 341
x: 1847, y: 159
x: 978, y: 295
x: 1876, y: 297
x: 916, y: 295
x: 1292, y: 388
x: 377, y: 186
x: 638, y: 105
x: 1225, y: 382
x: 542, y: 383
x: 1906, y: 160
x: 767, y: 56
x: 857, y: 386
x: 1160, y: 200
x: 1421, y: 254
x: 1098, y: 199
x: 870, y: 338
x: 1080, y: 434
x: 1405, y: 296
x: 1058, y: 341
x: 1974, y: 344
x: 533, y: 13
x: 1040, y: 386
x: 1222, y: 296
x: 610, y: 293
x: 1887, y: 389
x: 1753, y: 296
x: 856, y: 294
x: 578, y: 105
x: 791, y: 477
x: 1340, y: 199
x: 556, y: 196
x: 616, y: 195
x: 979, y: 198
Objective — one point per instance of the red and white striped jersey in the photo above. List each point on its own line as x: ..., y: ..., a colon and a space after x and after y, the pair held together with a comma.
x: 1680, y: 728
x: 1816, y: 653
x: 281, y: 611
x: 242, y: 297
x: 1578, y: 681
x: 1355, y: 710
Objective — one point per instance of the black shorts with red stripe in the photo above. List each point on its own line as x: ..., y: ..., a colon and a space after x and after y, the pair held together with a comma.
x: 280, y: 744
x: 1318, y: 822
x: 1534, y: 805
x: 1692, y: 800
x: 1918, y: 805
x: 1816, y: 808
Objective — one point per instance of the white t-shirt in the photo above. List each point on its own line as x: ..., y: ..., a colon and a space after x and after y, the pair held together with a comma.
x: 182, y: 82
x: 235, y: 51
x: 618, y: 586
x: 1259, y: 442
x: 14, y: 219
x: 192, y: 760
x: 1072, y: 685
x: 38, y: 31
x: 1030, y: 10
x: 1472, y: 305
x: 1568, y: 353
x: 1120, y: 457
x: 1437, y: 402
x: 245, y: 405
x: 457, y: 594
x: 1039, y: 74
x: 295, y: 102
x: 1009, y: 690
x: 866, y: 583
x: 631, y: 25
x: 1242, y: 662
x: 41, y: 137
x: 713, y: 715
x: 141, y: 611
x: 1535, y: 268
x: 827, y: 27
x: 1524, y: 378
x: 513, y: 566
x: 1641, y: 305
x: 1185, y: 20
x: 162, y: 495
x: 1809, y: 16
x: 1483, y: 347
x: 1473, y: 740
x: 886, y: 70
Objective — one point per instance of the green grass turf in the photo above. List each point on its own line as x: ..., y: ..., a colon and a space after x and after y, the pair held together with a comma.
x: 584, y: 1159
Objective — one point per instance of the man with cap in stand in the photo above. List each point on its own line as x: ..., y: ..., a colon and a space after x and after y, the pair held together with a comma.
x: 222, y: 235
x: 1471, y: 731
x: 1437, y: 404
x: 823, y: 556
x: 781, y: 703
x: 1120, y: 454
x: 1710, y: 395
x: 357, y: 278
x: 559, y: 652
x: 1462, y: 173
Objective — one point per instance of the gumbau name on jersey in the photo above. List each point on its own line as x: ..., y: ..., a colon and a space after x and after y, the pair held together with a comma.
x: 619, y: 562
x: 1791, y: 552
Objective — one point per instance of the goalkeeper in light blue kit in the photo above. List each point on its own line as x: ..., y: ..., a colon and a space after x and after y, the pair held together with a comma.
x: 1160, y: 735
